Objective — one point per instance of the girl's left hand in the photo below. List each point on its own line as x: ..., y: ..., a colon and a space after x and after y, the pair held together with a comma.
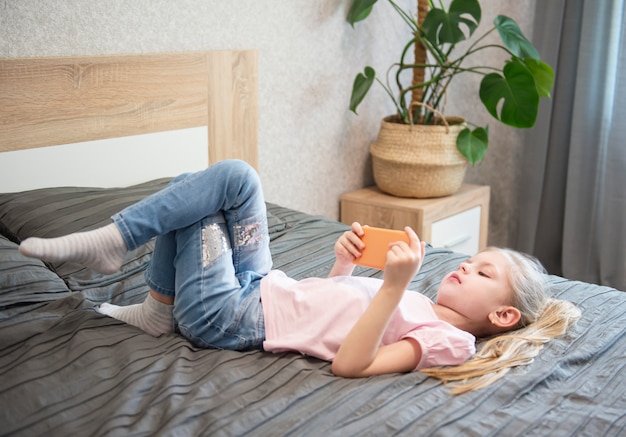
x: 360, y: 354
x: 404, y: 261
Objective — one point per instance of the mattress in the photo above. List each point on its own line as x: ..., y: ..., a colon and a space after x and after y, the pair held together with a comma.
x: 64, y: 368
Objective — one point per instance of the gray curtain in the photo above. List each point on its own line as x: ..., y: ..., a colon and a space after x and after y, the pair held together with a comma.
x: 573, y: 195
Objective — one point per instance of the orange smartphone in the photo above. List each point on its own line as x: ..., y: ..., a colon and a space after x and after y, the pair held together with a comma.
x: 377, y: 242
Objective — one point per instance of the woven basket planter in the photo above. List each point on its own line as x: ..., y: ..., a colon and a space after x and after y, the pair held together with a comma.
x: 418, y: 160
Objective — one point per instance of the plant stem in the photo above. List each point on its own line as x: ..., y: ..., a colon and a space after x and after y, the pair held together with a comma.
x: 393, y: 99
x: 406, y: 17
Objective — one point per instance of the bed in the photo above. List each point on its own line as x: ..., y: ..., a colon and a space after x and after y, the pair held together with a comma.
x: 65, y: 369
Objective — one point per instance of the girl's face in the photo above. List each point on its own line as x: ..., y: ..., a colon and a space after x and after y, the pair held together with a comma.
x: 478, y: 287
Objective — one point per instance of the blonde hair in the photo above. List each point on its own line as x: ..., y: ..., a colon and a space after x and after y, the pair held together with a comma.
x: 542, y: 319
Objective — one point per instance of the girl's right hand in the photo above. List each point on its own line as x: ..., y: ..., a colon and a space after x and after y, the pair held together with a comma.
x: 349, y: 246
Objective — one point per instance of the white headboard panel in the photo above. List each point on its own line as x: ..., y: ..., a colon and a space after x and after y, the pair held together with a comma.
x: 112, y: 162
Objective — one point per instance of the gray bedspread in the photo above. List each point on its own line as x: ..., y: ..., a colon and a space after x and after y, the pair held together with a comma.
x: 67, y: 370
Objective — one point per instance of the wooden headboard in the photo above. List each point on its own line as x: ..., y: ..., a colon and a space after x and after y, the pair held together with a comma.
x: 63, y: 100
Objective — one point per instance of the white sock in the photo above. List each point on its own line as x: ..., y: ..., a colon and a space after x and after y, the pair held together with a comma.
x: 151, y: 316
x: 102, y: 249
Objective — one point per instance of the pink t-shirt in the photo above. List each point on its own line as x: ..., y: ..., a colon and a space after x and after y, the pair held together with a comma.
x: 314, y: 315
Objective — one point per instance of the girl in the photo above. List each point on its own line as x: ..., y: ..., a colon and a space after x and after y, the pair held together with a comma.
x: 210, y: 275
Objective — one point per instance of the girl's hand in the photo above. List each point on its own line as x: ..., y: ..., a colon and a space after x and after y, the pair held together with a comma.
x: 403, y: 262
x: 360, y: 353
x: 348, y: 248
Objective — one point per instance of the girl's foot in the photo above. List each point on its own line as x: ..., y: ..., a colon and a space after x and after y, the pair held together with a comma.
x: 102, y: 249
x: 151, y: 316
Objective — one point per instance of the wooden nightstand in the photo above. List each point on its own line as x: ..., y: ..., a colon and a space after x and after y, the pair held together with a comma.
x: 458, y: 222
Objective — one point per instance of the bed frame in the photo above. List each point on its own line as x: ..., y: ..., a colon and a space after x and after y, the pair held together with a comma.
x: 63, y: 100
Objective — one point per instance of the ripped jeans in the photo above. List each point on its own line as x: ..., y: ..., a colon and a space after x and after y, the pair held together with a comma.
x: 210, y: 254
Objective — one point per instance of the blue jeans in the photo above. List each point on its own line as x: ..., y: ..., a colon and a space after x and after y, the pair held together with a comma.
x: 211, y: 251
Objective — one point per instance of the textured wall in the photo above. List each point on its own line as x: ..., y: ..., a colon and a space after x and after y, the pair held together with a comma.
x: 312, y: 148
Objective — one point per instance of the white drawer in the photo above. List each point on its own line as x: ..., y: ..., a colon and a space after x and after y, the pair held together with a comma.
x: 459, y: 232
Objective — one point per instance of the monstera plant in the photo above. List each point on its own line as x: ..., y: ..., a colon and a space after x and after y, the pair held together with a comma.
x: 510, y: 92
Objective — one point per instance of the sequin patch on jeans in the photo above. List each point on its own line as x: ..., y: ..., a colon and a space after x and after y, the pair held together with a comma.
x: 248, y: 234
x: 214, y: 243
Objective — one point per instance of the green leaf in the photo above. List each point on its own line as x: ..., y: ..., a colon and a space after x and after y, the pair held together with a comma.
x: 514, y: 39
x: 442, y: 27
x: 473, y: 144
x: 360, y: 10
x: 543, y: 75
x: 362, y: 84
x: 517, y: 92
